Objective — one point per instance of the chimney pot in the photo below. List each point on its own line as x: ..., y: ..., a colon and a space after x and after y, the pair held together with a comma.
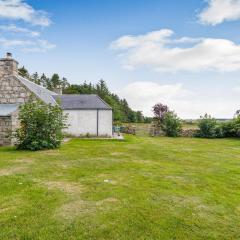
x: 8, y: 55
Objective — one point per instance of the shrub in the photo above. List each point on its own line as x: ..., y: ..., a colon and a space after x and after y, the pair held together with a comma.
x: 236, y: 126
x: 209, y: 128
x: 232, y: 128
x: 171, y: 125
x: 219, y: 133
x: 41, y: 126
x: 228, y: 129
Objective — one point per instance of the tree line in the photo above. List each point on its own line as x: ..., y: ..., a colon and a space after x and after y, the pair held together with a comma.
x: 121, y: 109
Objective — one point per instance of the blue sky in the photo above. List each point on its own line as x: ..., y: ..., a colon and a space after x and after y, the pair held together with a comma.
x: 183, y: 53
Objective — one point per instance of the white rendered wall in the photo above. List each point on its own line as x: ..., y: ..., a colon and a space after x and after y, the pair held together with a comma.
x: 82, y: 122
x: 105, y: 122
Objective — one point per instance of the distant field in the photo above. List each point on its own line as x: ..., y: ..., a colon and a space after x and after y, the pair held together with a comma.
x: 193, y: 125
x: 143, y: 129
x: 142, y: 188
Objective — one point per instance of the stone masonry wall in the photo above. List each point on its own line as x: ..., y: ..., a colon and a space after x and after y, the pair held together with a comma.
x: 12, y: 91
x: 5, y: 127
x: 8, y: 67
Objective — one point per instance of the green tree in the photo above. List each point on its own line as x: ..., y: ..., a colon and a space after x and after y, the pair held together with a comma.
x: 139, y: 117
x: 35, y: 78
x: 171, y: 124
x: 23, y: 72
x: 231, y: 128
x: 55, y: 81
x: 102, y: 89
x: 64, y: 83
x: 208, y: 127
x: 45, y: 81
x: 41, y: 126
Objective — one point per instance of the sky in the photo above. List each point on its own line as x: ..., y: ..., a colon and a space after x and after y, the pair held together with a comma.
x: 185, y: 54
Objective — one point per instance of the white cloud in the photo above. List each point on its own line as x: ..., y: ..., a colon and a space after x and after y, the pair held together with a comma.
x: 187, y: 104
x: 7, y: 43
x: 129, y: 41
x: 20, y: 10
x: 143, y: 95
x: 14, y: 29
x: 219, y: 11
x: 16, y: 10
x: 160, y: 51
x: 38, y: 45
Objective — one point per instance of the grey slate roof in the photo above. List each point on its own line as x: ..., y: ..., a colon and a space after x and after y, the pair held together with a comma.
x: 81, y: 101
x: 43, y: 93
x: 7, y: 109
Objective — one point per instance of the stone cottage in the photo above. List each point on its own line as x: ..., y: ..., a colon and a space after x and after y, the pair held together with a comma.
x: 87, y: 114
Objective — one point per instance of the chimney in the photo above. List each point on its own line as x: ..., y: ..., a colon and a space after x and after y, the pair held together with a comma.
x: 58, y: 90
x: 8, y: 66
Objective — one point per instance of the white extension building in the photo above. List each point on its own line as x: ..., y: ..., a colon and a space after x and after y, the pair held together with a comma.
x: 87, y: 114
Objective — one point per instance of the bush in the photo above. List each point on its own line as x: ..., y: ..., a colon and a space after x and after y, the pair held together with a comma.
x: 227, y: 128
x: 232, y: 128
x: 209, y: 128
x: 41, y: 126
x: 236, y: 126
x: 171, y: 125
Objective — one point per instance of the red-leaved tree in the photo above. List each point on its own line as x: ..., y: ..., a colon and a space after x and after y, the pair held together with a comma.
x: 159, y: 111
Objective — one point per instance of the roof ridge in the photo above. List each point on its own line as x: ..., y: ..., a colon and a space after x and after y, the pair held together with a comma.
x: 41, y: 92
x: 53, y: 93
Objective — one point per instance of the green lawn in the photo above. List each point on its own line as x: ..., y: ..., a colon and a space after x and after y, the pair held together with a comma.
x: 141, y: 188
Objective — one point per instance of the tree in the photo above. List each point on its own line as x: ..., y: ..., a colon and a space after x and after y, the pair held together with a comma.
x: 102, y: 89
x: 23, y: 72
x: 55, y: 81
x: 64, y: 83
x: 45, y: 81
x: 171, y: 124
x: 41, y: 126
x: 231, y: 128
x: 139, y: 116
x: 207, y: 127
x: 35, y: 78
x: 159, y: 111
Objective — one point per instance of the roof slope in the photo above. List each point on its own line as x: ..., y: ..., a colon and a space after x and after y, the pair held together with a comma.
x: 7, y: 109
x: 41, y: 92
x: 83, y: 101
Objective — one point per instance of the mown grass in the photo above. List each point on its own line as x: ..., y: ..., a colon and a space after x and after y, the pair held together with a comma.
x: 141, y: 188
